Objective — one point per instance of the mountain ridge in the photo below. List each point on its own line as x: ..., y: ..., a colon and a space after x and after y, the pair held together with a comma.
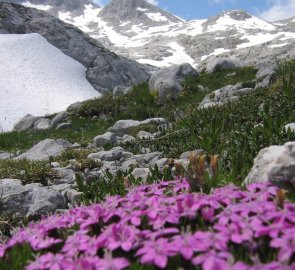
x: 163, y: 39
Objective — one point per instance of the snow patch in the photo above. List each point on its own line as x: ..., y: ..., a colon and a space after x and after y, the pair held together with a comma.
x: 278, y: 45
x: 37, y: 78
x: 31, y: 5
x: 226, y: 22
x: 157, y: 16
x: 142, y: 9
x: 215, y: 52
x: 179, y: 57
x: 258, y: 39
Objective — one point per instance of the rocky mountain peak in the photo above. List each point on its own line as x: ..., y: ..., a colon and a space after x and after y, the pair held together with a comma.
x: 53, y: 7
x: 238, y: 15
x: 136, y: 12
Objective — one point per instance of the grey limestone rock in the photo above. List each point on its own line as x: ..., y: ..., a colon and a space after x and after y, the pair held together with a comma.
x: 229, y: 93
x: 223, y: 63
x: 113, y: 155
x: 122, y: 127
x: 187, y: 154
x: 120, y: 91
x: 105, y: 70
x: 143, y: 135
x: 59, y: 118
x: 45, y: 149
x: 106, y: 138
x: 62, y: 126
x: 127, y: 138
x: 26, y: 122
x: 167, y: 82
x: 66, y: 176
x: 29, y: 200
x: 142, y: 173
x: 42, y: 124
x: 274, y: 164
x: 290, y: 126
x: 5, y: 155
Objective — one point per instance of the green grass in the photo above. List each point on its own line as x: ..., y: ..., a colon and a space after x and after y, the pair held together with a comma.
x: 138, y: 104
x: 237, y: 131
x: 27, y: 171
x: 83, y: 131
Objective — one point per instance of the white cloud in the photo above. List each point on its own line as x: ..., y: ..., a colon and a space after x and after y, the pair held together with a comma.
x: 279, y: 10
x: 153, y: 2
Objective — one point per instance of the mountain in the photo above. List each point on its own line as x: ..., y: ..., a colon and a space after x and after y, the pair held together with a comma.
x: 37, y: 72
x: 149, y: 35
x: 86, y: 58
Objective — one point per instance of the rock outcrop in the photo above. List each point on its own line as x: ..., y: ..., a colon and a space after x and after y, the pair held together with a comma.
x: 274, y: 164
x: 45, y: 149
x: 105, y: 70
x: 167, y: 82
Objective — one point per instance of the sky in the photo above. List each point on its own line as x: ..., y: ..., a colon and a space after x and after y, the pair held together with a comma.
x: 270, y: 10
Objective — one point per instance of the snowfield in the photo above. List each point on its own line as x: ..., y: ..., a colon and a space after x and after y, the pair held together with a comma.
x: 37, y: 78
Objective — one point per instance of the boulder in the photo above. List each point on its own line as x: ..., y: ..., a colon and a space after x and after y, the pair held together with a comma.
x: 141, y: 173
x: 144, y: 135
x: 74, y: 197
x: 121, y: 91
x: 59, y: 118
x: 45, y: 149
x: 228, y: 93
x: 161, y: 163
x: 62, y: 126
x: 290, y: 127
x: 274, y: 164
x: 156, y: 121
x: 25, y: 123
x: 127, y: 138
x: 106, y: 138
x: 5, y: 155
x: 124, y: 126
x: 149, y: 157
x: 111, y: 155
x: 187, y: 154
x: 42, y: 124
x: 167, y: 82
x: 66, y: 176
x: 29, y: 200
x: 223, y: 63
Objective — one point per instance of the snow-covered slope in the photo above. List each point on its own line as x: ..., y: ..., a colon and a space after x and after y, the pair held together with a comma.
x: 37, y: 78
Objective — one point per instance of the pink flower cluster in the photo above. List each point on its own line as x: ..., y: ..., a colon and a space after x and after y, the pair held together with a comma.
x: 166, y: 226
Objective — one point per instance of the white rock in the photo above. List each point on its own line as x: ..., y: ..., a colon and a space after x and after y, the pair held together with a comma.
x: 106, y: 138
x: 42, y: 124
x: 142, y: 173
x: 290, y: 126
x: 275, y: 164
x: 45, y: 149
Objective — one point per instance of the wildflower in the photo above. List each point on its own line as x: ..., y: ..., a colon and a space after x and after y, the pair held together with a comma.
x: 110, y: 263
x: 156, y: 252
x: 50, y: 261
x: 119, y: 235
x: 285, y: 244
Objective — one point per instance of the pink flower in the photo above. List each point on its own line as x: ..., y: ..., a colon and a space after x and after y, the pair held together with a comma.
x: 119, y: 235
x: 109, y: 263
x: 50, y: 261
x: 286, y: 245
x: 157, y: 252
